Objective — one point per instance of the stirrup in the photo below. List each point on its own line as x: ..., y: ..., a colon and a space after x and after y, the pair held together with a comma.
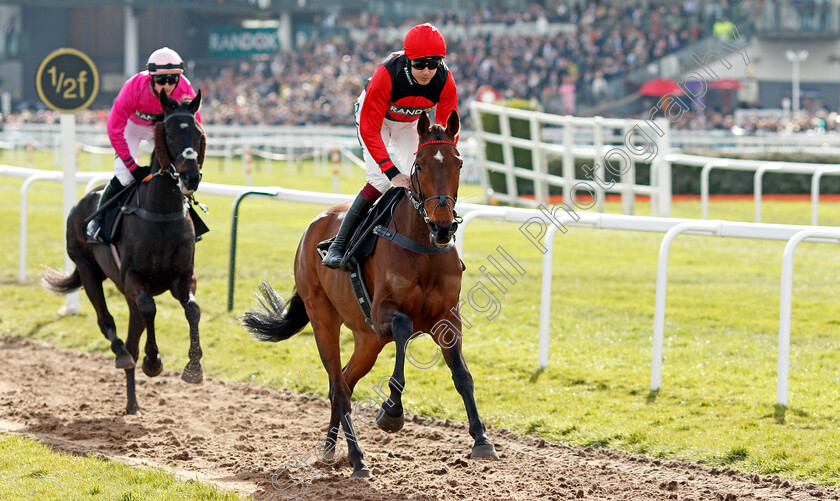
x: 92, y: 231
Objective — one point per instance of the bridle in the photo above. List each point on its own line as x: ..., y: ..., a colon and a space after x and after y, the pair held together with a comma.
x: 171, y: 169
x: 443, y: 200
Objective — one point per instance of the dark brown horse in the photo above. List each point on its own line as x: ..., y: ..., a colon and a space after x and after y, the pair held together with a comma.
x: 153, y: 251
x: 411, y: 293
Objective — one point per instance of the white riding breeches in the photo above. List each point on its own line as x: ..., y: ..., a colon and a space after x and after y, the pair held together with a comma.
x: 400, y: 138
x: 133, y: 134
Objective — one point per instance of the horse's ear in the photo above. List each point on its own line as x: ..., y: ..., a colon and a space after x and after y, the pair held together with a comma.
x: 423, y: 125
x: 453, y: 124
x: 165, y: 102
x: 195, y: 104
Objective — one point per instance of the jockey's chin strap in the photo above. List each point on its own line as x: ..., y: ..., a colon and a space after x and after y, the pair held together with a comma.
x: 443, y: 200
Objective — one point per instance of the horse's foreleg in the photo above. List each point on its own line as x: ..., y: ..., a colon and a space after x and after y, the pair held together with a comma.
x: 391, y: 418
x: 463, y: 380
x: 192, y: 372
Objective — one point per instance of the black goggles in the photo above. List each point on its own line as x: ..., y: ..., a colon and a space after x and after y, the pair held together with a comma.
x: 166, y: 79
x: 432, y: 63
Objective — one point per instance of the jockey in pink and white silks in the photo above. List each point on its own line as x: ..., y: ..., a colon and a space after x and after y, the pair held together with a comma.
x: 130, y: 120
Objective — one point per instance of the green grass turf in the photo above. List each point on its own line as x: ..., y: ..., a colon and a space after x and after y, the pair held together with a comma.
x: 716, y: 404
x: 34, y: 471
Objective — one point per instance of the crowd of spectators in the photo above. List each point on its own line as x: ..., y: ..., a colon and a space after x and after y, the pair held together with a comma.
x: 558, y: 55
x: 570, y: 51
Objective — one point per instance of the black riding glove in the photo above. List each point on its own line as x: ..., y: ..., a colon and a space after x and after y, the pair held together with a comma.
x: 140, y: 173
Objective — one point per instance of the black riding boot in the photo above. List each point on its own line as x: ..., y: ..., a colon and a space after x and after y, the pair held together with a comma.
x: 355, y: 214
x: 94, y: 227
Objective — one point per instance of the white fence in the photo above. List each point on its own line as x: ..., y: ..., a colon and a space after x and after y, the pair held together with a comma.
x: 601, y: 141
x: 641, y: 140
x: 671, y: 227
x: 759, y: 168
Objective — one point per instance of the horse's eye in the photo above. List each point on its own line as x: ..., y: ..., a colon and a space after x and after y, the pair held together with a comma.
x: 418, y: 167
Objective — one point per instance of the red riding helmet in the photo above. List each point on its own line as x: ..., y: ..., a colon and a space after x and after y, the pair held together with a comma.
x: 424, y: 40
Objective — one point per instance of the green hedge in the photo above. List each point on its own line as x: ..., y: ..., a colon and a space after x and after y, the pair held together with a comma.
x: 686, y: 180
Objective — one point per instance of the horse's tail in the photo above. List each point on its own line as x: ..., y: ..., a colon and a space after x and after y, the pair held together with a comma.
x: 55, y: 281
x: 280, y: 320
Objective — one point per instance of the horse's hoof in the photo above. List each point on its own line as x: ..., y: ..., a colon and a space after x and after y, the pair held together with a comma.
x: 151, y: 367
x: 125, y: 362
x: 132, y: 410
x: 389, y: 423
x: 192, y: 376
x: 361, y: 473
x: 486, y: 451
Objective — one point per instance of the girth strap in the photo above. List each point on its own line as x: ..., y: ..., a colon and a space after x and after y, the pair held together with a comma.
x: 155, y: 216
x: 407, y: 243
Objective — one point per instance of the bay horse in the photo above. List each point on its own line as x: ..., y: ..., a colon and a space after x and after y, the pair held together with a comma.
x: 410, y: 293
x: 153, y: 251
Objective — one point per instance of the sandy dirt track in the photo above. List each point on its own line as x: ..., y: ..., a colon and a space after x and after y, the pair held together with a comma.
x: 237, y: 436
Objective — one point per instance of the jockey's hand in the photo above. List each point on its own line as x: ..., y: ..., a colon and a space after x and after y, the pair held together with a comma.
x: 402, y: 181
x: 140, y: 172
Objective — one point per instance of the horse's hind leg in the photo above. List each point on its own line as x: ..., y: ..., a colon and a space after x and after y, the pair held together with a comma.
x: 365, y: 351
x: 326, y: 336
x: 136, y: 324
x: 186, y: 295
x: 92, y: 277
x: 146, y: 308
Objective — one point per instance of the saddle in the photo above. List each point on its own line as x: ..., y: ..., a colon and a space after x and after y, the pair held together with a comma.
x: 363, y: 243
x: 115, y: 211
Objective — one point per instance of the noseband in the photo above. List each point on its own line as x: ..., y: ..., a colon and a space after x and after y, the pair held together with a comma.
x: 443, y: 200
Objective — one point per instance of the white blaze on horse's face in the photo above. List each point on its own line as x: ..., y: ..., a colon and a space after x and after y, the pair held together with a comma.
x: 188, y: 154
x: 438, y: 156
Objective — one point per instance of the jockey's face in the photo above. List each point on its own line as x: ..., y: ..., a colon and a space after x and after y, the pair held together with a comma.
x: 166, y: 82
x: 423, y: 70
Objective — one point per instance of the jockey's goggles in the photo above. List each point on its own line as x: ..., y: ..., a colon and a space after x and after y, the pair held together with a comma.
x: 432, y: 63
x: 166, y: 79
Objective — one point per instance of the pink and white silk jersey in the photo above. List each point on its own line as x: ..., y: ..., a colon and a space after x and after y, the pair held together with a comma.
x: 130, y: 119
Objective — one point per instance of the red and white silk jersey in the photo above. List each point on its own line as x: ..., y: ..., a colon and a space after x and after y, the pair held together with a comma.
x: 393, y: 94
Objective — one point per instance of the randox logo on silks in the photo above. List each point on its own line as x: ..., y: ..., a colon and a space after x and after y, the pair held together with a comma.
x: 409, y: 112
x: 144, y: 116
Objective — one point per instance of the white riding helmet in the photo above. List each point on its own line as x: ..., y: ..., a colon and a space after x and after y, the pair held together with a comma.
x: 165, y: 61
